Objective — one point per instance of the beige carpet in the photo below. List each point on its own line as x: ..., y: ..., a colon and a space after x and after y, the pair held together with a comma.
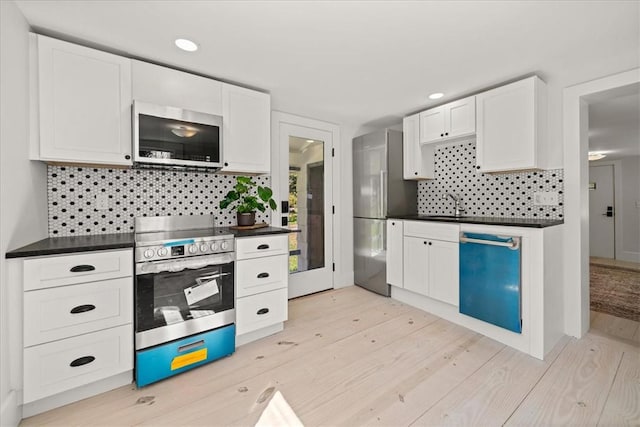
x: 615, y: 291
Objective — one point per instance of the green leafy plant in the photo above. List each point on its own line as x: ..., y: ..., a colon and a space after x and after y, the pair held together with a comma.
x: 248, y: 201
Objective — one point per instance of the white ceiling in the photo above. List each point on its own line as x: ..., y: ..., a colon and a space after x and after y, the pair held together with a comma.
x: 360, y: 63
x: 614, y: 126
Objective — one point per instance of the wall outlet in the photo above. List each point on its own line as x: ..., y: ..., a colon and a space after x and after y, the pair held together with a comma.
x: 102, y: 202
x: 545, y: 198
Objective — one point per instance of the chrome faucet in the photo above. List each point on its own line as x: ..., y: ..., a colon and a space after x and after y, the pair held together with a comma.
x: 456, y: 199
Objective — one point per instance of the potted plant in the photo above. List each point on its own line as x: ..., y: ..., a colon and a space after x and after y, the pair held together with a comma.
x: 249, y: 197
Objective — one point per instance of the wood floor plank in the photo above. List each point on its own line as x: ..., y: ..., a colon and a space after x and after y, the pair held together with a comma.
x: 623, y: 402
x: 295, y: 376
x: 392, y: 387
x: 574, y: 390
x: 493, y: 392
x: 612, y: 325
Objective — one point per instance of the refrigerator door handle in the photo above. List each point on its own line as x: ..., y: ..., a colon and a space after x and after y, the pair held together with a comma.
x: 383, y: 196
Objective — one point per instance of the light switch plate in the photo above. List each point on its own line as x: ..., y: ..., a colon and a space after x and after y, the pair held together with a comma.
x: 545, y: 198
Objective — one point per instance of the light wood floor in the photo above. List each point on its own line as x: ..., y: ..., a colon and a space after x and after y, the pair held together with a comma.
x: 349, y: 357
x: 608, y: 262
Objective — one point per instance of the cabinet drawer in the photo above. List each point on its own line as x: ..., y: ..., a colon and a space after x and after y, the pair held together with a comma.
x: 261, y: 274
x: 62, y: 365
x: 261, y: 310
x: 56, y: 313
x: 63, y: 270
x: 253, y: 247
x: 430, y: 230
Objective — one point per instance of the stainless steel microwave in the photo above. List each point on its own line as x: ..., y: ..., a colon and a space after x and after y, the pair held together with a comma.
x: 173, y: 137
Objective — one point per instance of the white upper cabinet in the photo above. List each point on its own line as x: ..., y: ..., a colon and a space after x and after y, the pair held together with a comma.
x: 246, y: 130
x: 172, y: 88
x: 418, y: 160
x: 449, y: 121
x: 512, y: 127
x: 84, y: 98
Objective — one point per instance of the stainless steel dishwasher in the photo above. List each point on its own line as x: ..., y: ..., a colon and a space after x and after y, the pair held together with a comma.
x: 490, y: 282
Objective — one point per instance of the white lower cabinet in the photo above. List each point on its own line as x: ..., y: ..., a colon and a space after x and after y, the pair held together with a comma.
x: 430, y: 264
x: 262, y: 278
x: 78, y: 325
x: 394, y: 252
x: 65, y: 364
x: 261, y: 310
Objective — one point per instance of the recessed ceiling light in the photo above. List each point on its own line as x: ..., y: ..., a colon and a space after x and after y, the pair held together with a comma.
x: 187, y: 45
x: 436, y: 95
x: 309, y: 140
x: 594, y: 155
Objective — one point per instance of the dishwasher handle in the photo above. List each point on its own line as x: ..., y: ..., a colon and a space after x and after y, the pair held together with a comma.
x: 513, y: 243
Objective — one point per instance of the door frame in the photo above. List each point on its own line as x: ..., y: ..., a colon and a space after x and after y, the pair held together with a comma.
x: 280, y: 119
x: 575, y: 119
x: 617, y: 201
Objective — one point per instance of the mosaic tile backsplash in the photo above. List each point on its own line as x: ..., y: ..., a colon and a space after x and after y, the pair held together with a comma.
x: 130, y: 193
x: 494, y: 195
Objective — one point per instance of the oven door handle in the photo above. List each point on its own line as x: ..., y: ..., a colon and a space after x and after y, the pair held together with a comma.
x: 173, y: 266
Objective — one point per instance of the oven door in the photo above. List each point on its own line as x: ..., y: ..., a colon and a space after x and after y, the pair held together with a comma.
x: 178, y: 298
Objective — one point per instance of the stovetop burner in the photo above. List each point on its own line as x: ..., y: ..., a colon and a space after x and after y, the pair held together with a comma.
x: 170, y: 237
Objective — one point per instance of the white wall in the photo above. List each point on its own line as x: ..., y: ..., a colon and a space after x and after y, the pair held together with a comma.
x: 23, y: 210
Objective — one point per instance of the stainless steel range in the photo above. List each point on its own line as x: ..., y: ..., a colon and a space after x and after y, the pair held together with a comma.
x: 184, y: 292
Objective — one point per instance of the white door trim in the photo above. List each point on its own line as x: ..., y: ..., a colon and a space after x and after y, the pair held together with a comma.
x: 576, y: 171
x: 280, y: 119
x: 617, y: 200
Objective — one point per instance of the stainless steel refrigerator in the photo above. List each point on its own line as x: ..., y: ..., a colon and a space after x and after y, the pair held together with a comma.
x: 378, y: 192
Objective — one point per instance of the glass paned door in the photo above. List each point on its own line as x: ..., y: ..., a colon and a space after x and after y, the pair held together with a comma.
x: 306, y: 204
x: 305, y: 172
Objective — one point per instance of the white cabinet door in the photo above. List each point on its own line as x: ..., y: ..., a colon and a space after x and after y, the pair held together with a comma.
x: 453, y: 120
x: 394, y: 252
x: 173, y: 88
x: 444, y: 271
x: 418, y: 160
x: 416, y: 269
x: 432, y: 125
x: 85, y: 104
x: 246, y: 146
x: 510, y: 125
x: 460, y: 118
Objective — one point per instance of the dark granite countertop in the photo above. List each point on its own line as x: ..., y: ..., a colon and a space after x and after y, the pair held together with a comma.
x: 65, y: 245
x: 99, y: 242
x: 486, y: 220
x: 256, y: 232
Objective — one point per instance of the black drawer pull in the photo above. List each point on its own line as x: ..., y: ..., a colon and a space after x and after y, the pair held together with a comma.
x: 263, y: 246
x: 82, y: 268
x: 190, y: 346
x: 262, y: 311
x: 263, y: 275
x: 82, y: 361
x: 83, y: 308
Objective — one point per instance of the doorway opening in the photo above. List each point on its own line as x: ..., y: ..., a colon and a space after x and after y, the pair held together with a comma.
x: 614, y: 218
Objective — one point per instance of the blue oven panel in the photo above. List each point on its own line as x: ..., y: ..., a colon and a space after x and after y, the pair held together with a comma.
x: 166, y: 360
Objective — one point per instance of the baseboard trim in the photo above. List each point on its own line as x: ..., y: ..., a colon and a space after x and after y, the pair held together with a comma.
x: 10, y: 413
x: 260, y: 333
x: 79, y: 393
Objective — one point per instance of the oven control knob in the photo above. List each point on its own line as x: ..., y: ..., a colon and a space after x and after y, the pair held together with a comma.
x: 193, y: 249
x: 214, y: 246
x: 162, y: 252
x: 224, y: 246
x: 148, y: 253
x: 204, y: 247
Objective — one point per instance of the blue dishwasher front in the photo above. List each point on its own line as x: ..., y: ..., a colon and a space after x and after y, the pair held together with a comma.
x: 490, y: 284
x: 165, y: 360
